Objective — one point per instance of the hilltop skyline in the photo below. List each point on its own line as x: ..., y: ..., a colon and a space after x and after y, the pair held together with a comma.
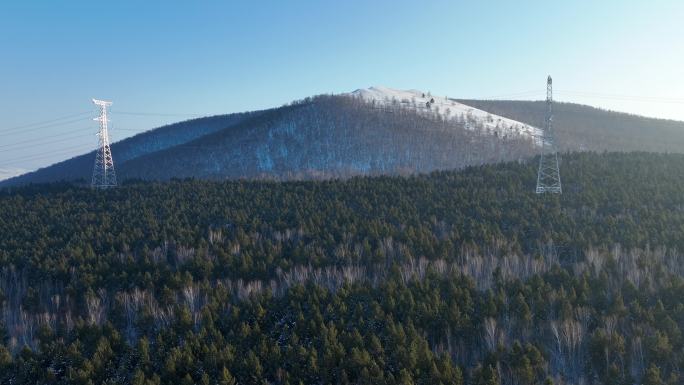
x: 162, y: 62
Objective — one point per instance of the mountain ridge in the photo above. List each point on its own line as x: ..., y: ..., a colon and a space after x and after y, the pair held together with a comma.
x: 371, y: 131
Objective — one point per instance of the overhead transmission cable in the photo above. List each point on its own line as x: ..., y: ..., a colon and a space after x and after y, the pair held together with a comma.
x: 17, y: 130
x: 78, y: 117
x: 523, y: 93
x: 63, y: 151
x: 41, y: 140
x: 653, y: 99
x: 155, y: 114
x: 37, y: 145
x: 48, y: 123
x: 62, y: 121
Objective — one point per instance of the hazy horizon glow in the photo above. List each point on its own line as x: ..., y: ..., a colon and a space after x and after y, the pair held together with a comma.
x: 161, y: 62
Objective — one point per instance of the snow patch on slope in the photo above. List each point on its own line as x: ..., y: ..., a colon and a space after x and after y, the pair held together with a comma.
x: 442, y: 106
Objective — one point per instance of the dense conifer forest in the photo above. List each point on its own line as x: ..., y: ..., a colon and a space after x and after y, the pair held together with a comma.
x: 458, y: 277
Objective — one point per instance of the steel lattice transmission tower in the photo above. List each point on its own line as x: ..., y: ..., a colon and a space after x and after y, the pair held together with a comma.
x: 548, y: 178
x: 103, y: 172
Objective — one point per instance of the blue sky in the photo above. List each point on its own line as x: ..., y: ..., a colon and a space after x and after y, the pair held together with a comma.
x: 183, y: 58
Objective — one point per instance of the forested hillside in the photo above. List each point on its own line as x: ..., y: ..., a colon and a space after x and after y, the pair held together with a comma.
x: 586, y: 128
x: 328, y: 137
x: 80, y: 168
x: 454, y: 278
x: 348, y: 135
x: 315, y: 138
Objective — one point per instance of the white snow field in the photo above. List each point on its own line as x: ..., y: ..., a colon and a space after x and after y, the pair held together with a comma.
x: 448, y: 109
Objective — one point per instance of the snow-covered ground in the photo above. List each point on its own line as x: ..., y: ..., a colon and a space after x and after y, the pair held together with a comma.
x: 449, y: 109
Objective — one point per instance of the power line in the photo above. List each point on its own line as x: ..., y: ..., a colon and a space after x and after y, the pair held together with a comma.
x: 155, y: 114
x: 636, y: 98
x: 46, y: 122
x: 78, y: 117
x: 57, y: 124
x: 28, y: 158
x: 523, y: 93
x: 61, y: 121
x: 130, y: 129
x: 10, y: 146
x: 653, y: 99
x: 40, y: 144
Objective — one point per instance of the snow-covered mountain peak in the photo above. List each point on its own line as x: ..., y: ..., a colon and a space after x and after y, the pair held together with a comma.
x: 426, y: 102
x: 381, y: 93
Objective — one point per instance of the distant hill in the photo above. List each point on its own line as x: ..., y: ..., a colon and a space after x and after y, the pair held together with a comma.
x: 330, y: 136
x: 81, y: 167
x: 321, y: 137
x: 580, y: 127
x: 370, y: 131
